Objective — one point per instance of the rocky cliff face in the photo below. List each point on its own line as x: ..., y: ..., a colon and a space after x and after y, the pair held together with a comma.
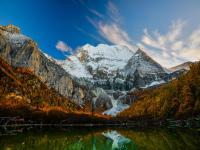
x: 19, y: 86
x: 21, y: 51
x: 141, y: 70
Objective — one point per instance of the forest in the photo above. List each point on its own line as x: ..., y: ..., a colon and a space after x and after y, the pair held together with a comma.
x: 23, y: 95
x: 177, y: 99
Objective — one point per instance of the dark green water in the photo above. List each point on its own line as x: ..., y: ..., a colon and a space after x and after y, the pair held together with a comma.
x: 102, y: 139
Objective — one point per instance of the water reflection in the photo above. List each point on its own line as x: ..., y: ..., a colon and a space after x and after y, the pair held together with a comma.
x: 118, y: 141
x: 102, y: 139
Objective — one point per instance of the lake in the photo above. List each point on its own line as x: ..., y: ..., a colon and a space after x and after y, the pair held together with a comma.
x: 90, y: 138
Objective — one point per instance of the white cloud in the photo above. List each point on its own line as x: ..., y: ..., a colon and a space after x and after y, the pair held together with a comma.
x: 114, y: 34
x: 163, y: 41
x: 112, y: 30
x: 63, y: 47
x: 173, y: 47
x: 194, y: 38
x: 113, y: 12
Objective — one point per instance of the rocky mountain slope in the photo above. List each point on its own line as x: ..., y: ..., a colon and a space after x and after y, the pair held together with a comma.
x: 97, y: 77
x: 20, y: 87
x: 98, y: 64
x: 21, y: 51
x: 141, y: 70
x: 116, y: 69
x: 113, y: 67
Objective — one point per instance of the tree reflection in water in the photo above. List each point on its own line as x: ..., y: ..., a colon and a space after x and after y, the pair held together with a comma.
x: 102, y: 139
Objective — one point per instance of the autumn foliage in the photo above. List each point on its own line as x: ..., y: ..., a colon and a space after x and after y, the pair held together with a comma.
x: 176, y: 99
x: 20, y: 87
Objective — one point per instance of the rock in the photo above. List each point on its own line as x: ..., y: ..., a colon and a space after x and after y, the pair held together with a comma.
x: 10, y: 28
x: 141, y: 70
x: 102, y: 100
x: 21, y: 51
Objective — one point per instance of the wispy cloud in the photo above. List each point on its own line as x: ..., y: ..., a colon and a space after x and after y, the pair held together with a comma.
x: 173, y: 47
x: 113, y: 12
x: 163, y: 41
x: 92, y: 21
x: 169, y: 49
x: 63, y: 47
x: 93, y: 11
x: 111, y: 30
x: 115, y: 35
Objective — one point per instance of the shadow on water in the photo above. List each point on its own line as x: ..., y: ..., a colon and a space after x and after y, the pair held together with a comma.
x: 86, y: 138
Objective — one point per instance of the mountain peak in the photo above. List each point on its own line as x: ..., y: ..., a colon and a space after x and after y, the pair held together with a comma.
x: 107, y: 58
x: 10, y: 28
x: 143, y: 63
x: 86, y: 46
x: 12, y: 35
x: 140, y: 52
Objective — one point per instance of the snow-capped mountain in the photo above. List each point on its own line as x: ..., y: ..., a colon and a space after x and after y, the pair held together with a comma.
x: 116, y: 69
x: 113, y: 67
x: 97, y: 62
x: 141, y: 70
x: 143, y: 63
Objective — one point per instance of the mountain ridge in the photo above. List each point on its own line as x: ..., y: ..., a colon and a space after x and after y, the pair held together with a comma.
x: 185, y: 65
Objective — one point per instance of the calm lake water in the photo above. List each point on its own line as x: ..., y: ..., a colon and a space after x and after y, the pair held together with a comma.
x: 85, y: 138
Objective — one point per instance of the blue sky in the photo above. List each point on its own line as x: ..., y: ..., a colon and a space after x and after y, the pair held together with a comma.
x: 168, y: 30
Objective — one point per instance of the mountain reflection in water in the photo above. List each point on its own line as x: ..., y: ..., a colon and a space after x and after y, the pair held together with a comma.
x: 118, y: 141
x: 102, y: 139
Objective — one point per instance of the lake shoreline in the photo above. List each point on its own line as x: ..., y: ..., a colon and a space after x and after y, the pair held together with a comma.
x: 142, y: 124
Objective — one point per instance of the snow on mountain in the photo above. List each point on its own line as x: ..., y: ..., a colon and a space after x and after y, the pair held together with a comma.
x: 88, y: 59
x: 73, y: 66
x: 117, y: 108
x: 154, y: 83
x: 144, y: 64
x: 104, y: 56
x: 50, y: 58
